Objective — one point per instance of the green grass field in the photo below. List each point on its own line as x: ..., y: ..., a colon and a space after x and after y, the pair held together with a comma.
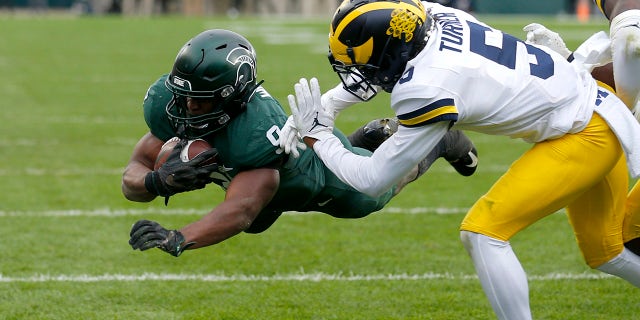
x: 71, y: 113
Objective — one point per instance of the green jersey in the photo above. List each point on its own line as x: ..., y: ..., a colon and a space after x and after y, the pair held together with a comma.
x: 251, y: 140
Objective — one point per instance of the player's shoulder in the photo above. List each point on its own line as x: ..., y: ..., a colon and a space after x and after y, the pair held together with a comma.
x: 262, y: 111
x: 261, y: 97
x: 154, y: 104
x: 251, y: 139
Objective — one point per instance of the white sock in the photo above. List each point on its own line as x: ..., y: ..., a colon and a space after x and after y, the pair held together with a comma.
x: 626, y: 266
x: 501, y: 275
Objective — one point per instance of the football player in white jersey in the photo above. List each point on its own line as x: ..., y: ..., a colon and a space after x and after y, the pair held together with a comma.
x: 445, y: 69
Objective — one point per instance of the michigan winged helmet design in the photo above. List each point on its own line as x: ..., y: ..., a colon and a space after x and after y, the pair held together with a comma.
x: 218, y: 65
x: 371, y: 41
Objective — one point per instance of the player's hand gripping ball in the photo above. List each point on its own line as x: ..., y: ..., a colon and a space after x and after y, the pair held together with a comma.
x: 182, y: 166
x: 191, y: 150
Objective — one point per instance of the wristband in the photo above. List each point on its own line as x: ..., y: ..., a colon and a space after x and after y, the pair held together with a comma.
x: 175, y: 242
x: 149, y: 183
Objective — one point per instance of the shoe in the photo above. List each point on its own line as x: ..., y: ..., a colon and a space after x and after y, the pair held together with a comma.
x: 373, y: 134
x: 461, y: 153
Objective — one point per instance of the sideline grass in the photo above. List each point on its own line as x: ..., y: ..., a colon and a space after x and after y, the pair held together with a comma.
x: 72, y: 90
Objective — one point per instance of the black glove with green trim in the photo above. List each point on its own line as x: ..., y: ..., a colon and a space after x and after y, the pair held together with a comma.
x: 176, y: 176
x: 147, y: 234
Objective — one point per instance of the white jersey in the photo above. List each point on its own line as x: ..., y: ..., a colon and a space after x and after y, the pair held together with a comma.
x: 473, y: 77
x: 496, y: 83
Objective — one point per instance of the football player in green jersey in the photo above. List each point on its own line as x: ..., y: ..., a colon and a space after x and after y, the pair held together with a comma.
x: 212, y: 93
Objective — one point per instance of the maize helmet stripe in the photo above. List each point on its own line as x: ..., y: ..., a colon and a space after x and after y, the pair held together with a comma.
x: 404, y: 19
x: 600, y: 5
x: 361, y: 54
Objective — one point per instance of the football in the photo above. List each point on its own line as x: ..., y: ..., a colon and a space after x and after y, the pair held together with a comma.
x: 190, y: 151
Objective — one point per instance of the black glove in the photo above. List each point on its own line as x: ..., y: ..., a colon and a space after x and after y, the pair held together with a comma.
x: 176, y: 176
x: 147, y: 234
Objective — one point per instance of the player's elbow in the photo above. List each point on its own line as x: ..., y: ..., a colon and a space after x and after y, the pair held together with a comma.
x: 375, y: 185
x: 131, y: 195
x: 246, y: 213
x: 373, y: 190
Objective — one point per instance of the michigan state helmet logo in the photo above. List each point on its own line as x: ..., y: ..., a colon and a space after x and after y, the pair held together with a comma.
x: 245, y: 64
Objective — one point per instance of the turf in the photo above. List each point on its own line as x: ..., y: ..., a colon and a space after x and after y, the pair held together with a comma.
x: 71, y: 93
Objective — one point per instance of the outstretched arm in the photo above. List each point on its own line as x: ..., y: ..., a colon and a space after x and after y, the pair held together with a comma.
x: 388, y: 165
x: 249, y: 192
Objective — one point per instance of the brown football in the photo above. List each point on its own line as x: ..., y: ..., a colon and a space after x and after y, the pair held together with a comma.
x: 190, y: 151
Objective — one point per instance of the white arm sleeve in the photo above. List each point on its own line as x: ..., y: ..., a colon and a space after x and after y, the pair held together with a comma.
x: 391, y: 162
x: 338, y: 99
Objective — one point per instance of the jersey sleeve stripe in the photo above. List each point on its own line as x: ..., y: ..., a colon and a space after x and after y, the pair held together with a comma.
x: 600, y: 5
x: 441, y: 110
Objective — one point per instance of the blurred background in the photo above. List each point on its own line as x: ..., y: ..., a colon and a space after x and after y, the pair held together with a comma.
x: 582, y: 8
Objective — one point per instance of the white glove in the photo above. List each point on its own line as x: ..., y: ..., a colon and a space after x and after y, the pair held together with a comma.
x: 540, y: 35
x: 290, y: 139
x: 311, y: 119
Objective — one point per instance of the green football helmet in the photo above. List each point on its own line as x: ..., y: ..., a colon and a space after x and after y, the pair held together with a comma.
x: 219, y: 65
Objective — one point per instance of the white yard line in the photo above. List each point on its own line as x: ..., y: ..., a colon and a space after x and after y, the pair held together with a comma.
x: 314, y: 277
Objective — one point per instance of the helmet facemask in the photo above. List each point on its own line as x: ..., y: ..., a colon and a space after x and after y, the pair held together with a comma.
x: 355, y: 81
x: 197, y: 126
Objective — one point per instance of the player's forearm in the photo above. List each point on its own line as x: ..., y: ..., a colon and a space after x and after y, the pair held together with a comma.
x: 360, y: 172
x: 133, y: 187
x: 222, y: 223
x: 388, y: 165
x: 248, y: 194
x: 338, y: 99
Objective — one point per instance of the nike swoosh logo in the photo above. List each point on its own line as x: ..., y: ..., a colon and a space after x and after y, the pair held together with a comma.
x: 474, y: 160
x: 322, y: 204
